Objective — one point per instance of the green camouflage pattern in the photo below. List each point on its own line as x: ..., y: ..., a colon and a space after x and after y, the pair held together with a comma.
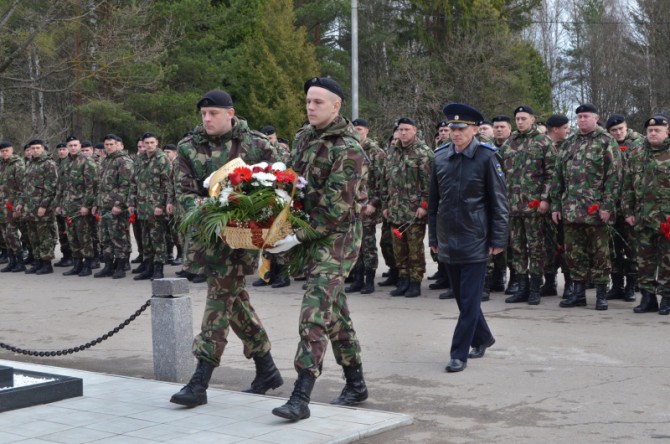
x: 367, y: 258
x: 153, y: 182
x: 324, y: 316
x: 80, y: 185
x: 527, y: 238
x: 80, y: 235
x: 409, y: 251
x: 39, y: 188
x: 154, y: 246
x: 386, y: 245
x: 587, y: 252
x: 12, y: 171
x: 377, y: 158
x: 42, y: 235
x: 653, y: 260
x: 114, y: 186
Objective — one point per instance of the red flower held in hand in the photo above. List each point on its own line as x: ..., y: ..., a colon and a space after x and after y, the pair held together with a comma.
x: 97, y: 217
x: 397, y: 233
x: 665, y: 228
x: 9, y: 206
x: 132, y: 218
x: 68, y: 220
x: 244, y: 173
x: 534, y: 204
x: 623, y: 148
x: 593, y: 208
x: 424, y: 205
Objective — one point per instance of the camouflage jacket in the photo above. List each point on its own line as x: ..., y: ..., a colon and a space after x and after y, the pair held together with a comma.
x: 198, y: 156
x: 80, y: 186
x: 12, y: 171
x: 336, y: 169
x: 588, y: 171
x: 40, y: 183
x: 647, y: 185
x: 528, y: 165
x: 406, y: 181
x: 153, y: 181
x: 63, y: 165
x: 377, y: 157
x: 114, y: 186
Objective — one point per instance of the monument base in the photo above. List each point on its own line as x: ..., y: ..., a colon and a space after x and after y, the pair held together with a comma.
x: 56, y: 388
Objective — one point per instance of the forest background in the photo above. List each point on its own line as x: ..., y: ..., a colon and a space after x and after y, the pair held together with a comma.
x: 90, y: 67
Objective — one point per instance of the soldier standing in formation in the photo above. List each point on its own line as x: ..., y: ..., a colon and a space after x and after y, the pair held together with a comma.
x: 386, y: 238
x: 174, y: 237
x: 12, y: 171
x: 137, y: 226
x: 63, y: 164
x: 583, y: 195
x: 327, y: 154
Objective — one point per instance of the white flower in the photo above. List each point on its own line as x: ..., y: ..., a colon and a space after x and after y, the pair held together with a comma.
x: 265, y: 179
x: 223, y: 196
x: 205, y: 182
x: 302, y: 182
x: 283, y: 196
x: 262, y: 165
x: 279, y: 166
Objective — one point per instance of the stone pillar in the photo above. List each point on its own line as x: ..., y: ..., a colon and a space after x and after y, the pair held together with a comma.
x: 172, y: 330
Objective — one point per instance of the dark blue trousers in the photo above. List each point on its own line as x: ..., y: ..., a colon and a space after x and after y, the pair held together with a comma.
x: 467, y: 281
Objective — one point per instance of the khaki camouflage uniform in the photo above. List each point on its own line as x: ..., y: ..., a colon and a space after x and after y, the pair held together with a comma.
x: 117, y: 171
x: 12, y: 172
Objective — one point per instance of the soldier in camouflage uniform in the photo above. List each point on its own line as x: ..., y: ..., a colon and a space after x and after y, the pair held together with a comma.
x: 174, y: 238
x: 37, y: 206
x: 12, y: 170
x: 404, y: 202
x: 366, y: 267
x: 528, y: 166
x: 327, y: 154
x: 75, y: 201
x: 583, y: 195
x: 111, y: 206
x: 137, y: 227
x: 386, y: 238
x: 88, y: 151
x: 63, y: 164
x: 623, y: 245
x: 149, y: 199
x: 647, y: 208
x: 221, y: 138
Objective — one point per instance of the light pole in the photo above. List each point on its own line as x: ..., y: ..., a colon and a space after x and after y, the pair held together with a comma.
x: 354, y: 59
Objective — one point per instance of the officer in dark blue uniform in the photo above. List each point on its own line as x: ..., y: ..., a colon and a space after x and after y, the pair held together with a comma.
x: 468, y: 222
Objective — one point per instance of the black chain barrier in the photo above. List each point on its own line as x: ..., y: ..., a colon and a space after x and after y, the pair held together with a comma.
x: 88, y: 345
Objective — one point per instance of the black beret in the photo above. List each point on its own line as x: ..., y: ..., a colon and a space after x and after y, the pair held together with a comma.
x: 38, y: 142
x: 360, y: 122
x: 524, y: 109
x: 149, y: 135
x: 486, y: 122
x: 460, y: 115
x: 99, y: 146
x: 406, y: 121
x: 26, y: 146
x: 615, y: 119
x: 112, y: 136
x: 656, y: 120
x: 170, y: 147
x: 282, y: 140
x: 325, y: 83
x: 586, y: 108
x: 556, y: 120
x: 61, y: 145
x: 5, y: 144
x: 502, y: 118
x: 215, y: 98
x: 268, y: 130
x: 71, y: 138
x: 442, y: 124
x: 86, y: 144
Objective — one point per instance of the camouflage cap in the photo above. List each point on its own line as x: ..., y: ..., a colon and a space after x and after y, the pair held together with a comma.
x: 656, y: 120
x: 325, y: 83
x: 556, y: 120
x: 615, y: 119
x: 215, y: 98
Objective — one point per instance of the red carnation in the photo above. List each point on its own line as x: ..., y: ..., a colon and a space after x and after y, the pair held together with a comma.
x: 593, y: 208
x: 244, y: 173
x: 258, y: 169
x: 97, y: 217
x: 68, y: 220
x: 132, y: 218
x: 234, y: 178
x: 534, y: 203
x: 397, y: 233
x: 298, y: 205
x: 9, y: 206
x: 623, y: 148
x: 268, y: 169
x: 424, y: 205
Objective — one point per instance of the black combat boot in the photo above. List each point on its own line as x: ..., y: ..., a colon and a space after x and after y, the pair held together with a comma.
x: 523, y: 291
x: 534, y: 290
x: 392, y: 278
x: 119, y: 268
x: 403, y: 286
x: 354, y: 391
x: 37, y: 263
x: 199, y: 278
x: 126, y: 265
x: 357, y: 283
x: 78, y: 265
x: 30, y: 258
x: 140, y: 268
x: 86, y: 268
x: 138, y: 260
x: 414, y: 289
x: 297, y: 406
x: 486, y: 291
x: 369, y: 286
x: 10, y: 264
x: 194, y: 393
x: 106, y: 271
x: 147, y: 273
x: 629, y: 291
x: 157, y: 271
x: 499, y: 278
x: 550, y: 286
x: 664, y: 308
x: 4, y: 256
x: 513, y: 286
x: 267, y: 375
x: 46, y: 268
x: 617, y: 291
x: 65, y: 261
x: 95, y: 263
x: 567, y: 289
x: 648, y: 303
x: 280, y: 274
x: 442, y: 281
x: 601, y: 297
x: 577, y: 298
x: 20, y: 265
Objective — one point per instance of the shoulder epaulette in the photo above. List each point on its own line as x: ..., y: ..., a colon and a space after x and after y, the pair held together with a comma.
x: 486, y: 145
x: 442, y: 147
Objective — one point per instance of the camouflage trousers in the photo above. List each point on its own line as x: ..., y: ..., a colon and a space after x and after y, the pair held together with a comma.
x: 409, y: 252
x: 174, y: 236
x: 527, y: 236
x: 587, y: 252
x: 624, y: 248
x: 62, y: 236
x: 81, y: 238
x: 95, y: 235
x: 137, y: 233
x: 114, y: 236
x: 228, y: 306
x: 153, y: 239
x: 653, y: 260
x: 386, y: 245
x: 367, y: 258
x: 324, y: 316
x: 554, y: 246
x: 12, y: 237
x: 42, y: 236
